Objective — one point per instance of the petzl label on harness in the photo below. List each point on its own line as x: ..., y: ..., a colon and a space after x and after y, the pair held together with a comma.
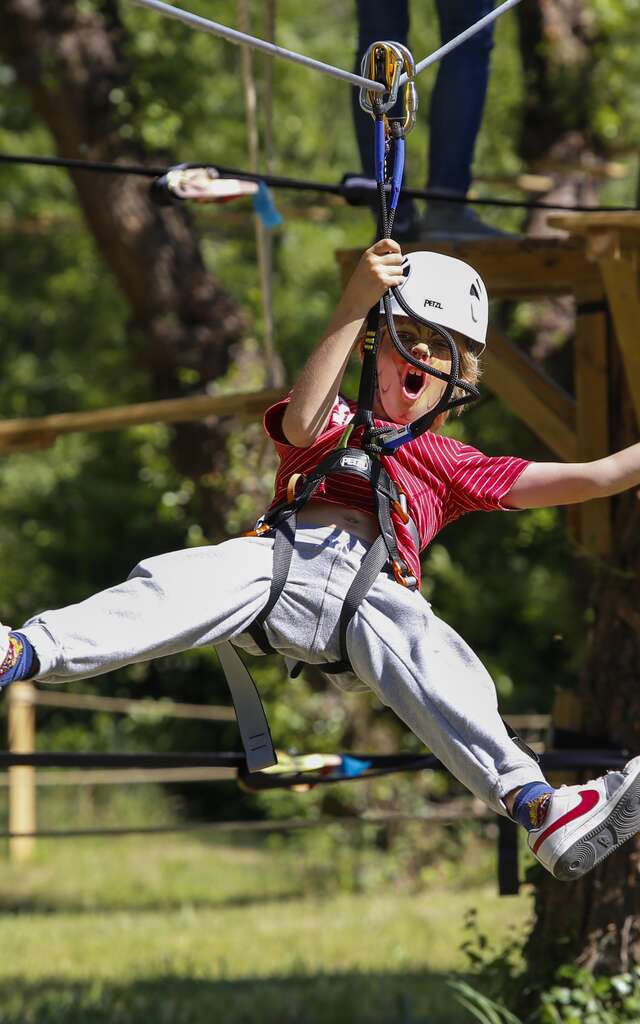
x: 357, y: 460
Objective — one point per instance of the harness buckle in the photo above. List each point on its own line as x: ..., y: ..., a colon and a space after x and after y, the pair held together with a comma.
x: 402, y: 576
x: 400, y: 508
x: 259, y: 530
x: 292, y: 485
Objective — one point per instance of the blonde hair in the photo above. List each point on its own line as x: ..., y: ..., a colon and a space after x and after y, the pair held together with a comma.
x: 470, y: 370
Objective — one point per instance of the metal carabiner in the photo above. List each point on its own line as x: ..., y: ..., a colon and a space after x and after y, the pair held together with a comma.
x: 401, y: 126
x: 383, y: 62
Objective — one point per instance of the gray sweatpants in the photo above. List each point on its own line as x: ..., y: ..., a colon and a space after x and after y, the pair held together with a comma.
x: 411, y: 660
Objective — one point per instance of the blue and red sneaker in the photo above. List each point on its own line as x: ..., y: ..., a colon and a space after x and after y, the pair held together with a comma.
x: 584, y: 824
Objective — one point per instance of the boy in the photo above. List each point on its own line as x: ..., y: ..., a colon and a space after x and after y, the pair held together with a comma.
x: 397, y: 647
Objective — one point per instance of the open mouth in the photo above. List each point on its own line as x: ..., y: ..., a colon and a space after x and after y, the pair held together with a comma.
x: 413, y: 383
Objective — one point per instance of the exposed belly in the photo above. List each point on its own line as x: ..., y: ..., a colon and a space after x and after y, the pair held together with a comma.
x: 324, y: 513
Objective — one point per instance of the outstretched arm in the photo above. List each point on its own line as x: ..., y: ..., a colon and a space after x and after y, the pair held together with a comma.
x: 543, y: 484
x: 315, y: 391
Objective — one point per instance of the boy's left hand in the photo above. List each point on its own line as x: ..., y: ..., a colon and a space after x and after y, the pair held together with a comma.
x: 379, y: 268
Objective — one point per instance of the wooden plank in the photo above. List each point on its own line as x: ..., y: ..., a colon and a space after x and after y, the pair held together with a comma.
x: 512, y: 268
x: 539, y: 402
x: 123, y: 776
x: 122, y: 705
x: 24, y: 434
x: 581, y: 223
x: 620, y: 277
x: 592, y: 418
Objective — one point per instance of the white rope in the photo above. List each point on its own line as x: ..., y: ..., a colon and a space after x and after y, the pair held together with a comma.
x: 239, y: 38
x: 458, y: 40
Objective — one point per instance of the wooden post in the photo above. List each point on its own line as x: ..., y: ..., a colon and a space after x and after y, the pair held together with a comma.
x: 22, y: 782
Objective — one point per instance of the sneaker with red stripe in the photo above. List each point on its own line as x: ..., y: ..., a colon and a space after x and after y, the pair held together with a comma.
x: 585, y: 823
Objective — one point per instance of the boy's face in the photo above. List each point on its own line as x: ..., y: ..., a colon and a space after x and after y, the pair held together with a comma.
x: 404, y: 393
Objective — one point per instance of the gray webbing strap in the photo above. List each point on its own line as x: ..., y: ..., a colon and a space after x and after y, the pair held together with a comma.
x: 252, y: 721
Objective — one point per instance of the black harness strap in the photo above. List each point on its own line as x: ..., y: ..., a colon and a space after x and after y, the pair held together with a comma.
x: 383, y: 552
x: 282, y: 554
x: 370, y: 568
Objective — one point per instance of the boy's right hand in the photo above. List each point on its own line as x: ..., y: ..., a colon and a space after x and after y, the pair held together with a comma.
x: 379, y: 268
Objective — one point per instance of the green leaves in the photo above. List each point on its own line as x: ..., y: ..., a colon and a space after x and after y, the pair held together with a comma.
x: 481, y: 1008
x: 585, y: 998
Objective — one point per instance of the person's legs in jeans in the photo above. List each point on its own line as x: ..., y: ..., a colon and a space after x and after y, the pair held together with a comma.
x: 458, y: 98
x: 385, y: 20
x: 457, y: 106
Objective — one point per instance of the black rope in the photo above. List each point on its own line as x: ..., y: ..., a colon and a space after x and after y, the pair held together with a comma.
x: 84, y: 165
x: 360, y: 194
x: 551, y: 760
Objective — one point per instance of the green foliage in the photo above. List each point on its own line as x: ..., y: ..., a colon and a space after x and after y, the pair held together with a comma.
x: 481, y: 1008
x: 498, y: 984
x: 580, y: 997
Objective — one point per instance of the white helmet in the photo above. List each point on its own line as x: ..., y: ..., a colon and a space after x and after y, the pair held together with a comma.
x: 446, y: 291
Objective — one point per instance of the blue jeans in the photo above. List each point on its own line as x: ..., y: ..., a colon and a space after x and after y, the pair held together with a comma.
x: 458, y: 98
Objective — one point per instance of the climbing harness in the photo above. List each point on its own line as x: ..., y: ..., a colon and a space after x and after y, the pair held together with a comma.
x: 455, y: 298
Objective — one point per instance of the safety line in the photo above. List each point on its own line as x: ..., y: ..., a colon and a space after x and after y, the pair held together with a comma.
x: 84, y: 165
x: 241, y: 39
x: 458, y: 40
x: 551, y: 760
x: 299, y: 185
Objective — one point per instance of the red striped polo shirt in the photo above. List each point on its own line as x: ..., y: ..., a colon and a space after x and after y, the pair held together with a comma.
x: 441, y: 477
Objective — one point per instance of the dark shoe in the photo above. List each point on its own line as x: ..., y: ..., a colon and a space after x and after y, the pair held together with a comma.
x: 456, y: 220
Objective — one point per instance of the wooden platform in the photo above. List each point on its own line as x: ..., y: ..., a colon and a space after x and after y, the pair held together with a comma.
x: 597, y: 262
x: 514, y: 268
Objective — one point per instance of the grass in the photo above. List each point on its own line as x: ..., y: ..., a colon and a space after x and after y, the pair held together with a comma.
x: 186, y: 930
x: 189, y: 929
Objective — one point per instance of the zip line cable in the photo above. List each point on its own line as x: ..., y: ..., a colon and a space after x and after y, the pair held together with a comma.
x: 242, y: 39
x: 354, y: 194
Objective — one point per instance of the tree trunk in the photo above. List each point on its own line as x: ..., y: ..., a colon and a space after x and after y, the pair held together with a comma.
x: 70, y: 59
x: 595, y: 922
